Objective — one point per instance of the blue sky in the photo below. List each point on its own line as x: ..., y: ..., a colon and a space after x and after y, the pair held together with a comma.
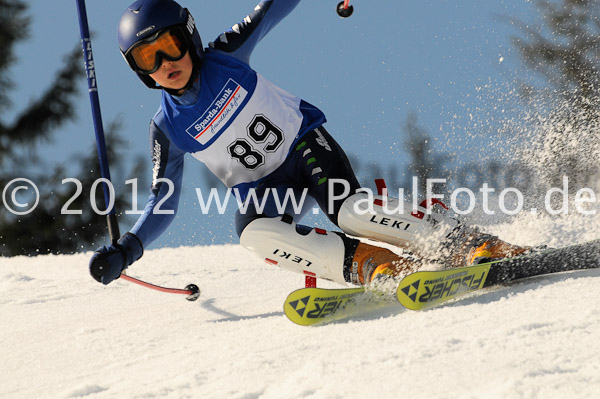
x: 451, y: 62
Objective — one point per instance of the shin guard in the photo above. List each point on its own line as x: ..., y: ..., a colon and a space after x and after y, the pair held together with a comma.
x: 317, y: 253
x: 394, y: 222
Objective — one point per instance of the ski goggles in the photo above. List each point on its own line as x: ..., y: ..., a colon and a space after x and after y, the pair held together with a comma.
x: 147, y: 55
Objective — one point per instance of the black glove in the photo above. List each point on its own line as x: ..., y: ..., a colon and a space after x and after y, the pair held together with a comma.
x: 108, y: 262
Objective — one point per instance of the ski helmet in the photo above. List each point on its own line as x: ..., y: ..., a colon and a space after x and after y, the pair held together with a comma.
x: 146, y: 20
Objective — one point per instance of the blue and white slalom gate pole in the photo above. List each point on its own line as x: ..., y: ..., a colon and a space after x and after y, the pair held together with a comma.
x: 191, y: 290
x: 113, y: 225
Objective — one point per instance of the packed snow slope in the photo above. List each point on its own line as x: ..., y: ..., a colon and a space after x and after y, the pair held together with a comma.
x: 65, y: 336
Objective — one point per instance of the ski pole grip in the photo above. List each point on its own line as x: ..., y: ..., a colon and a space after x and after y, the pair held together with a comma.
x: 113, y: 227
x: 100, y: 267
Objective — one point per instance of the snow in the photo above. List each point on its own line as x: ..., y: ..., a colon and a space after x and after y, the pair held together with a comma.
x: 66, y: 336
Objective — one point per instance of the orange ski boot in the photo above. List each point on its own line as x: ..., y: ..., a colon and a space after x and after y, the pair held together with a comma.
x: 371, y: 263
x: 493, y: 250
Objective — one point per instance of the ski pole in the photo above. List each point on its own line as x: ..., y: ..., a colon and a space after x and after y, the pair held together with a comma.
x: 191, y: 290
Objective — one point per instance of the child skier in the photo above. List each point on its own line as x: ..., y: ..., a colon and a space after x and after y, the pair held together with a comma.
x: 264, y: 142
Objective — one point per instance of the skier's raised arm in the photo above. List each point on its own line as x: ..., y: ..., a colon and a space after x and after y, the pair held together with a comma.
x: 242, y: 38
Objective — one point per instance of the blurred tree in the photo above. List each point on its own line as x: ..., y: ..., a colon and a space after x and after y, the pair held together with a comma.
x: 564, y: 50
x: 47, y: 229
x: 425, y: 162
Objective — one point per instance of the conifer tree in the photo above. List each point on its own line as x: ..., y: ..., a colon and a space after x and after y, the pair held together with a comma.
x: 47, y: 229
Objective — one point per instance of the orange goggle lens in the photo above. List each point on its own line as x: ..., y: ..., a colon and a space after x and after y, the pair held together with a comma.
x: 145, y: 55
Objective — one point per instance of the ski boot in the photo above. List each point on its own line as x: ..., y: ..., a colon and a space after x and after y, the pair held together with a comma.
x: 372, y: 264
x: 494, y: 249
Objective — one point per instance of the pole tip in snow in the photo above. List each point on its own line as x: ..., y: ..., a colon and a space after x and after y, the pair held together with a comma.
x: 195, y: 292
x: 344, y: 10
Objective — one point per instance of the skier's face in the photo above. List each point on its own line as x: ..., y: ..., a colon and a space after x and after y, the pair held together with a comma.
x: 174, y: 74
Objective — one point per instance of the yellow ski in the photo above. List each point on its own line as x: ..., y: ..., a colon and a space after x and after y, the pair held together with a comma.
x: 422, y: 290
x: 309, y: 306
